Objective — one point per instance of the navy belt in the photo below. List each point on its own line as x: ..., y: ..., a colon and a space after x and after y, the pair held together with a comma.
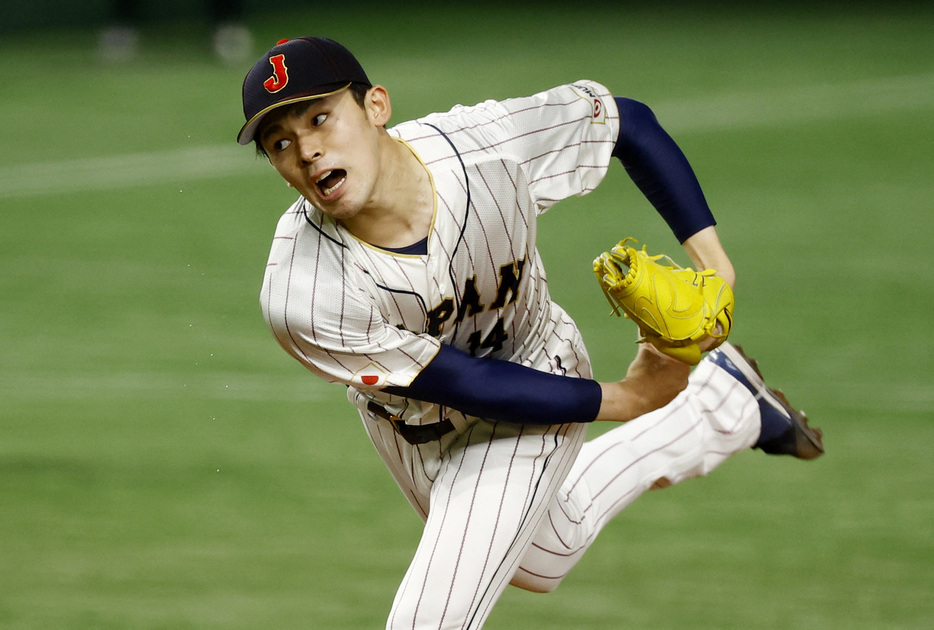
x: 414, y: 434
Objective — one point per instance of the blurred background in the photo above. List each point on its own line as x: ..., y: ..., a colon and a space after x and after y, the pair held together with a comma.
x: 163, y: 464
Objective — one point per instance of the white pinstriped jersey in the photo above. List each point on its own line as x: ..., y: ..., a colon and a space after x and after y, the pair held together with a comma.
x: 368, y: 318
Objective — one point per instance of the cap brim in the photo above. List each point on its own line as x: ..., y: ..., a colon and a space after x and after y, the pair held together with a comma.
x: 248, y: 131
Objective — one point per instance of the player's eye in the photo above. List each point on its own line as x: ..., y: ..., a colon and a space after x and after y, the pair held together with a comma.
x: 281, y: 145
x: 318, y: 120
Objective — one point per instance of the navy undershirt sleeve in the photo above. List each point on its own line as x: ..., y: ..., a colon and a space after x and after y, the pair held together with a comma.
x: 502, y: 390
x: 661, y: 171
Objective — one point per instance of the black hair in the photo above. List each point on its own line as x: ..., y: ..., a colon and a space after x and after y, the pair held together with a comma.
x: 357, y: 90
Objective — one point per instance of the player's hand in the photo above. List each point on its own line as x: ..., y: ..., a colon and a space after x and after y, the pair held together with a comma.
x: 652, y: 381
x: 657, y: 376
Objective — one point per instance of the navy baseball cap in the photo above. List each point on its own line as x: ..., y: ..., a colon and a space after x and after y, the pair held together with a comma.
x: 296, y: 70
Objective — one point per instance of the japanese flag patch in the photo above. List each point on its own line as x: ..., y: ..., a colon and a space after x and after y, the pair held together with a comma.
x: 371, y: 376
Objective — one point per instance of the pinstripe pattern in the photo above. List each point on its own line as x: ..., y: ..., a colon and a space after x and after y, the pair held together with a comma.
x: 488, y: 488
x: 348, y: 311
x: 493, y: 496
x: 530, y: 475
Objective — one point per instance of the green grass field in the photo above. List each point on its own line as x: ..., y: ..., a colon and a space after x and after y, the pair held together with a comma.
x: 163, y: 464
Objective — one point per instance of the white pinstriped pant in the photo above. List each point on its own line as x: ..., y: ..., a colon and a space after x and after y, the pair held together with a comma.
x: 522, y: 503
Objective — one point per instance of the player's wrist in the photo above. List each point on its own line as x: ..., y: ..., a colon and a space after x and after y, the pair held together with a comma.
x: 619, y: 402
x: 706, y: 252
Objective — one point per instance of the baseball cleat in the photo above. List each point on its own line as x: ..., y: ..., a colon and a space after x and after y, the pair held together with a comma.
x: 789, y: 432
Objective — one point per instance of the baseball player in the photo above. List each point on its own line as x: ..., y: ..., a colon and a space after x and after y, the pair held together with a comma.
x: 407, y: 270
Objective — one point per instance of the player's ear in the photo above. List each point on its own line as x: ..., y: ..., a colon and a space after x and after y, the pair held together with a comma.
x: 377, y: 104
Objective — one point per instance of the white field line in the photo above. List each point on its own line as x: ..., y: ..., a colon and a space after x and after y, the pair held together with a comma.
x: 783, y: 107
x: 208, y: 386
x: 730, y: 111
x: 121, y: 171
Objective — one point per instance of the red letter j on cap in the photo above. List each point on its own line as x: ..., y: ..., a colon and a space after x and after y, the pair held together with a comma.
x: 280, y: 75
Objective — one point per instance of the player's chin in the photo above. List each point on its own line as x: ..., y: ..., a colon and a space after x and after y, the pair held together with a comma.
x: 337, y: 201
x: 341, y: 209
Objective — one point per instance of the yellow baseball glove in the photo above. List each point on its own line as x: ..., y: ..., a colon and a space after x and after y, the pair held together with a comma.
x: 675, y: 308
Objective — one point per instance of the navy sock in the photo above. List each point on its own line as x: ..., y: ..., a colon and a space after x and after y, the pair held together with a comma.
x: 775, y: 426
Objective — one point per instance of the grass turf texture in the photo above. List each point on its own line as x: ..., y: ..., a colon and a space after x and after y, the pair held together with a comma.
x: 164, y: 465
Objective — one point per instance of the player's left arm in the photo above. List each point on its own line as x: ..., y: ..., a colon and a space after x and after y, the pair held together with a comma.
x: 661, y: 171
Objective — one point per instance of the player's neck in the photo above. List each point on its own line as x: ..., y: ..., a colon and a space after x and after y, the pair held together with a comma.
x: 401, y: 209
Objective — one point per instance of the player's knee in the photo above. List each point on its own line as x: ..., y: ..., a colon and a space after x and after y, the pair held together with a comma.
x: 535, y: 583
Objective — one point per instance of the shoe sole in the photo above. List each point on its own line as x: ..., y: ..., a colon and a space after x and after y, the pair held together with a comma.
x: 808, y: 441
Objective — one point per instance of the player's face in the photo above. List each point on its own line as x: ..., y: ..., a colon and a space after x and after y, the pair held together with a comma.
x: 328, y: 150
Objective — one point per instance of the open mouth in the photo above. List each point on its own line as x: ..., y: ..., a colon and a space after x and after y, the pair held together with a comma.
x: 331, y: 181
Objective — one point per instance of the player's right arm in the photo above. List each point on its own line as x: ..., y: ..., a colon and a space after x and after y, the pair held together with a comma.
x: 501, y: 390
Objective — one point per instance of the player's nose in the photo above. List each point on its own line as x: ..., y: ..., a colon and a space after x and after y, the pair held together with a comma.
x: 308, y: 148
